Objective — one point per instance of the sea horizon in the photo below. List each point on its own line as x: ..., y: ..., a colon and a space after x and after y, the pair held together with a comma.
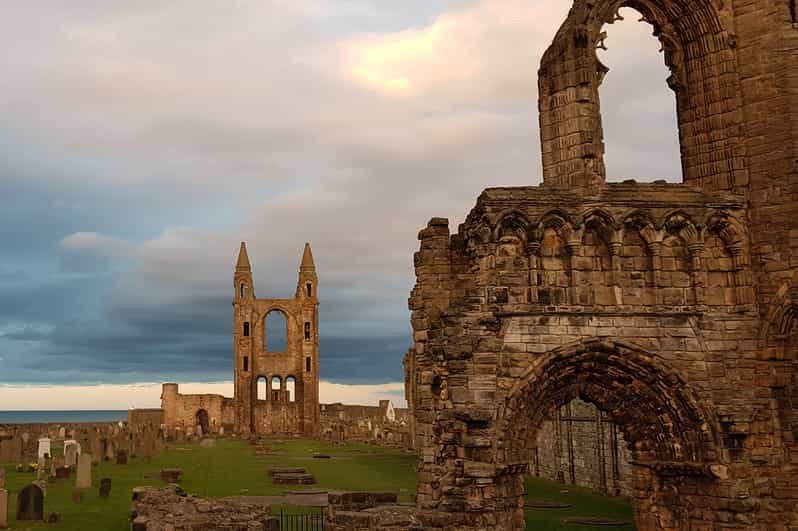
x: 34, y: 416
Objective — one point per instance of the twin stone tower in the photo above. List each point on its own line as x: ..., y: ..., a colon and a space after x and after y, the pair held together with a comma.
x: 276, y: 392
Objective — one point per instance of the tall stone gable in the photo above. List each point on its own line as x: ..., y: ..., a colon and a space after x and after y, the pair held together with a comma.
x: 673, y: 308
x: 279, y: 411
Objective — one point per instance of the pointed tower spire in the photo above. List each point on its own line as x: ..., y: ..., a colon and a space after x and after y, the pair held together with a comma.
x: 306, y: 287
x: 242, y: 278
x: 307, y: 260
x: 243, y: 259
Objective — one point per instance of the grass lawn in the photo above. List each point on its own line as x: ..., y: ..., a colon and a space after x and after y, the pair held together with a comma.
x: 232, y: 468
x: 584, y: 502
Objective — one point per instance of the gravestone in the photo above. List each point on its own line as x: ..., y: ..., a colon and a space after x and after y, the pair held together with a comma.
x: 61, y: 432
x: 2, y: 477
x: 95, y: 447
x: 71, y: 452
x: 44, y: 447
x: 41, y: 468
x: 121, y: 457
x: 110, y: 449
x: 3, y: 508
x: 30, y: 503
x: 105, y: 487
x: 207, y: 443
x: 83, y: 480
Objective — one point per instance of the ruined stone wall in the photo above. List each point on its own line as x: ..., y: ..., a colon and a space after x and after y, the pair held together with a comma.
x: 367, y: 424
x: 581, y: 446
x: 185, y: 412
x: 145, y: 417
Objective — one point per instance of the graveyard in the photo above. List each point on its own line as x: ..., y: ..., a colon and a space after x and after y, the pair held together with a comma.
x: 235, y: 467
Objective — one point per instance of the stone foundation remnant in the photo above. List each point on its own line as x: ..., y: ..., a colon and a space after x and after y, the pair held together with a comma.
x: 670, y: 308
x: 168, y: 508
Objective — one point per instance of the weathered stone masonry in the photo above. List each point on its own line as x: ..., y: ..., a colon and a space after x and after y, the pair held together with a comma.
x: 280, y: 411
x: 673, y: 308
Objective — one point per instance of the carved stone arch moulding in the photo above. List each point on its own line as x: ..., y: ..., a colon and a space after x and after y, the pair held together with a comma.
x: 662, y: 418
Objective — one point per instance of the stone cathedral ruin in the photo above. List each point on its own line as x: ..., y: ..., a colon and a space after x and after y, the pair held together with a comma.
x: 290, y: 378
x: 672, y: 308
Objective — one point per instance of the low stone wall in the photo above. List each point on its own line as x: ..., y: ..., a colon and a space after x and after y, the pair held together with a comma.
x: 169, y: 509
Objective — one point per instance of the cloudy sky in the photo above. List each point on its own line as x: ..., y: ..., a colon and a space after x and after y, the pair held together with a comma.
x: 142, y: 140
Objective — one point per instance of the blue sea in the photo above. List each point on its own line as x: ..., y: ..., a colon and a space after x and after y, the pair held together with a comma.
x: 23, y: 417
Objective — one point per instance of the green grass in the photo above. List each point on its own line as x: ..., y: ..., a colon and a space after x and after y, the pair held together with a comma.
x: 584, y: 502
x: 232, y: 468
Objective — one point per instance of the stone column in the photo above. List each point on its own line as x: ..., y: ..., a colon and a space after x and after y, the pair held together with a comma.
x: 572, y: 246
x: 614, y: 249
x: 533, y: 252
x: 697, y: 274
x: 655, y: 248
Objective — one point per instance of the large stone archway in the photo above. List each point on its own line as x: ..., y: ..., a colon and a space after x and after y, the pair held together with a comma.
x: 669, y: 433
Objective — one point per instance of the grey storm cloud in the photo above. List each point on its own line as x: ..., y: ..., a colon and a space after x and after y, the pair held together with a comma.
x: 140, y: 142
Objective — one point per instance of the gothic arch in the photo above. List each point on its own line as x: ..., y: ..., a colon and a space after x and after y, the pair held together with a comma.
x: 693, y: 37
x: 662, y: 418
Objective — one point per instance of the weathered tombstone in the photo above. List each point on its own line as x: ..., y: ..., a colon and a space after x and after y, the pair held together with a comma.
x: 95, y: 447
x: 83, y: 480
x: 199, y: 430
x: 110, y: 449
x: 62, y: 432
x: 221, y: 430
x: 121, y: 457
x: 62, y: 472
x: 105, y: 487
x: 3, y: 508
x: 30, y: 503
x: 71, y: 452
x: 41, y: 468
x: 53, y: 518
x: 44, y: 447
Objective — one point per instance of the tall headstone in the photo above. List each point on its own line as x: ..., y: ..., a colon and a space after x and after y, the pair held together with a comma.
x: 44, y: 447
x: 95, y: 447
x: 83, y: 480
x: 30, y: 503
x: 71, y: 452
x: 62, y: 432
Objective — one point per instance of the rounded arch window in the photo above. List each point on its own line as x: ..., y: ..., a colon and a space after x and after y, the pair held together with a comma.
x: 275, y: 332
